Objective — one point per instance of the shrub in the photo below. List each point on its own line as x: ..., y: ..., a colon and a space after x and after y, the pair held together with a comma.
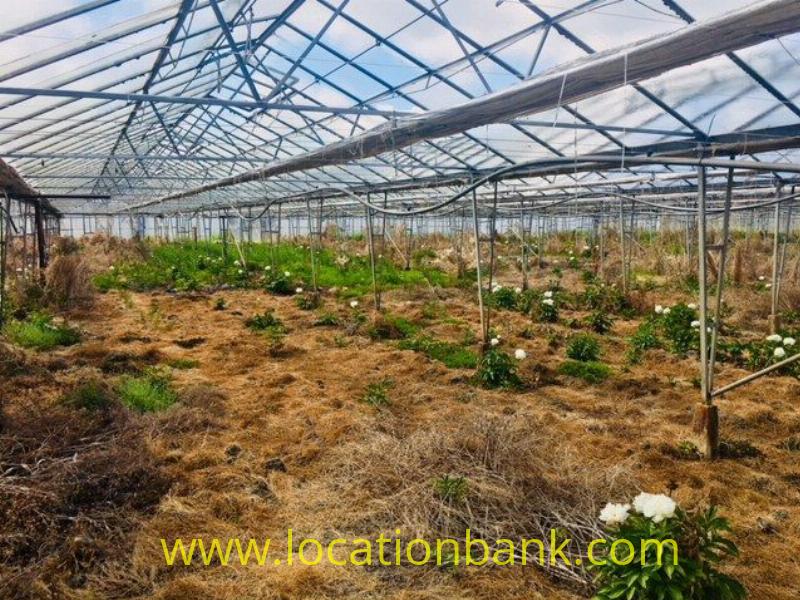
x: 678, y: 330
x: 220, y: 304
x: 391, y: 327
x: 39, y: 332
x: 547, y: 311
x: 583, y: 347
x: 590, y: 372
x: 149, y: 392
x: 376, y: 394
x: 496, y: 369
x: 600, y: 322
x: 280, y: 286
x: 310, y: 301
x: 687, y: 569
x: 645, y: 338
x: 91, y: 396
x: 451, y: 489
x: 503, y: 297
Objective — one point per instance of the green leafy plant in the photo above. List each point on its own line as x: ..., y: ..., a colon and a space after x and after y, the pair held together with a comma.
x: 600, y: 322
x: 496, y: 369
x: 693, y: 545
x: 308, y: 301
x: 38, y: 331
x: 590, y: 372
x: 678, y: 331
x: 645, y: 338
x: 265, y: 322
x: 391, y: 327
x: 454, y: 356
x: 583, y: 347
x: 327, y: 319
x: 183, y: 363
x: 220, y: 304
x: 451, y: 488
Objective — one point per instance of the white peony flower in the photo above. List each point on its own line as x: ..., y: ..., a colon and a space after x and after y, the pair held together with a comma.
x: 494, y: 341
x: 518, y: 290
x: 667, y: 311
x: 761, y: 278
x: 286, y: 274
x: 520, y: 354
x: 353, y: 303
x: 240, y: 272
x: 548, y: 301
x: 659, y: 309
x: 692, y: 306
x: 496, y: 288
x: 548, y: 294
x: 768, y: 286
x: 615, y: 514
x: 236, y: 262
x: 267, y: 268
x: 696, y: 324
x: 774, y: 338
x: 111, y: 268
x: 779, y: 353
x: 298, y: 290
x: 655, y: 506
x: 789, y: 341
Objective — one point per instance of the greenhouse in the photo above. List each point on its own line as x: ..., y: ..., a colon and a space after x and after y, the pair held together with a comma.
x: 420, y: 298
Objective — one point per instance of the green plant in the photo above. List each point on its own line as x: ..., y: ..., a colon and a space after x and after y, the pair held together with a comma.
x: 149, y: 392
x: 547, y: 311
x: 503, y: 297
x: 600, y: 322
x: 583, y: 347
x: 645, y: 338
x: 280, y: 286
x: 327, y: 319
x: 590, y: 372
x: 265, y: 322
x: 454, y: 356
x: 451, y: 489
x: 183, y: 363
x: 39, y: 332
x: 376, y: 394
x: 684, y: 566
x: 220, y: 304
x: 309, y: 301
x: 91, y: 396
x: 678, y: 330
x: 391, y: 327
x: 496, y: 369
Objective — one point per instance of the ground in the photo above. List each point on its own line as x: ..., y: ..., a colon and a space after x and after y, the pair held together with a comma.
x: 261, y: 443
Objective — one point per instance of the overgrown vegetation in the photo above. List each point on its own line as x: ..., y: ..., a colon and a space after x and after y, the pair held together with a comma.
x: 583, y: 347
x: 150, y: 392
x: 590, y: 372
x: 454, y: 356
x: 40, y: 332
x: 496, y: 369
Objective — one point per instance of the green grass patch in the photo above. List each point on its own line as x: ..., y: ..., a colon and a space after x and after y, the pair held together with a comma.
x: 40, y: 333
x: 377, y: 394
x: 454, y: 356
x: 149, y: 392
x: 590, y: 372
x: 391, y: 327
x: 183, y: 364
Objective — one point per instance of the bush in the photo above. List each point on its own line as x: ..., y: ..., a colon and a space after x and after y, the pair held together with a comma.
x: 678, y: 330
x: 645, y: 338
x: 583, y: 347
x: 327, y: 320
x: 265, y: 322
x: 503, y: 297
x: 309, y: 301
x: 688, y: 567
x: 280, y: 286
x: 39, y: 332
x: 590, y: 372
x: 496, y: 369
x: 391, y: 327
x: 147, y: 393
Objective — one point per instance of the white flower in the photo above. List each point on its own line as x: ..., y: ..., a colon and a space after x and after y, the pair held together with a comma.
x: 111, y: 268
x: 586, y: 248
x: 548, y: 294
x: 520, y: 354
x: 659, y: 309
x: 236, y: 262
x: 774, y: 338
x: 548, y: 301
x: 240, y: 272
x: 496, y: 288
x: 615, y: 514
x: 298, y: 291
x: 494, y: 341
x: 768, y: 286
x: 789, y: 341
x: 696, y: 324
x: 286, y: 274
x: 517, y: 290
x: 267, y: 268
x: 779, y: 352
x: 761, y: 278
x: 353, y: 303
x: 692, y: 306
x: 655, y: 506
x: 667, y: 311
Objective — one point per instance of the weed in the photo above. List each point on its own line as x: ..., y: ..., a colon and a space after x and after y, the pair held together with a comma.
x: 451, y: 488
x: 327, y: 320
x: 376, y: 394
x: 265, y: 322
x: 39, y: 332
x: 600, y: 322
x: 91, y: 396
x: 149, y: 392
x: 310, y: 301
x: 645, y: 338
x: 454, y: 356
x: 220, y: 304
x: 590, y: 372
x: 391, y: 327
x: 583, y: 347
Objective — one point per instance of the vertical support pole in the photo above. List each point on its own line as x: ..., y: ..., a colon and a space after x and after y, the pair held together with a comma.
x: 492, y: 238
x: 484, y: 332
x: 311, y: 244
x: 723, y: 256
x: 5, y: 235
x: 711, y: 417
x: 623, y: 247
x: 371, y: 240
x: 41, y: 240
x: 774, y: 319
x: 523, y: 245
x: 601, y: 245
